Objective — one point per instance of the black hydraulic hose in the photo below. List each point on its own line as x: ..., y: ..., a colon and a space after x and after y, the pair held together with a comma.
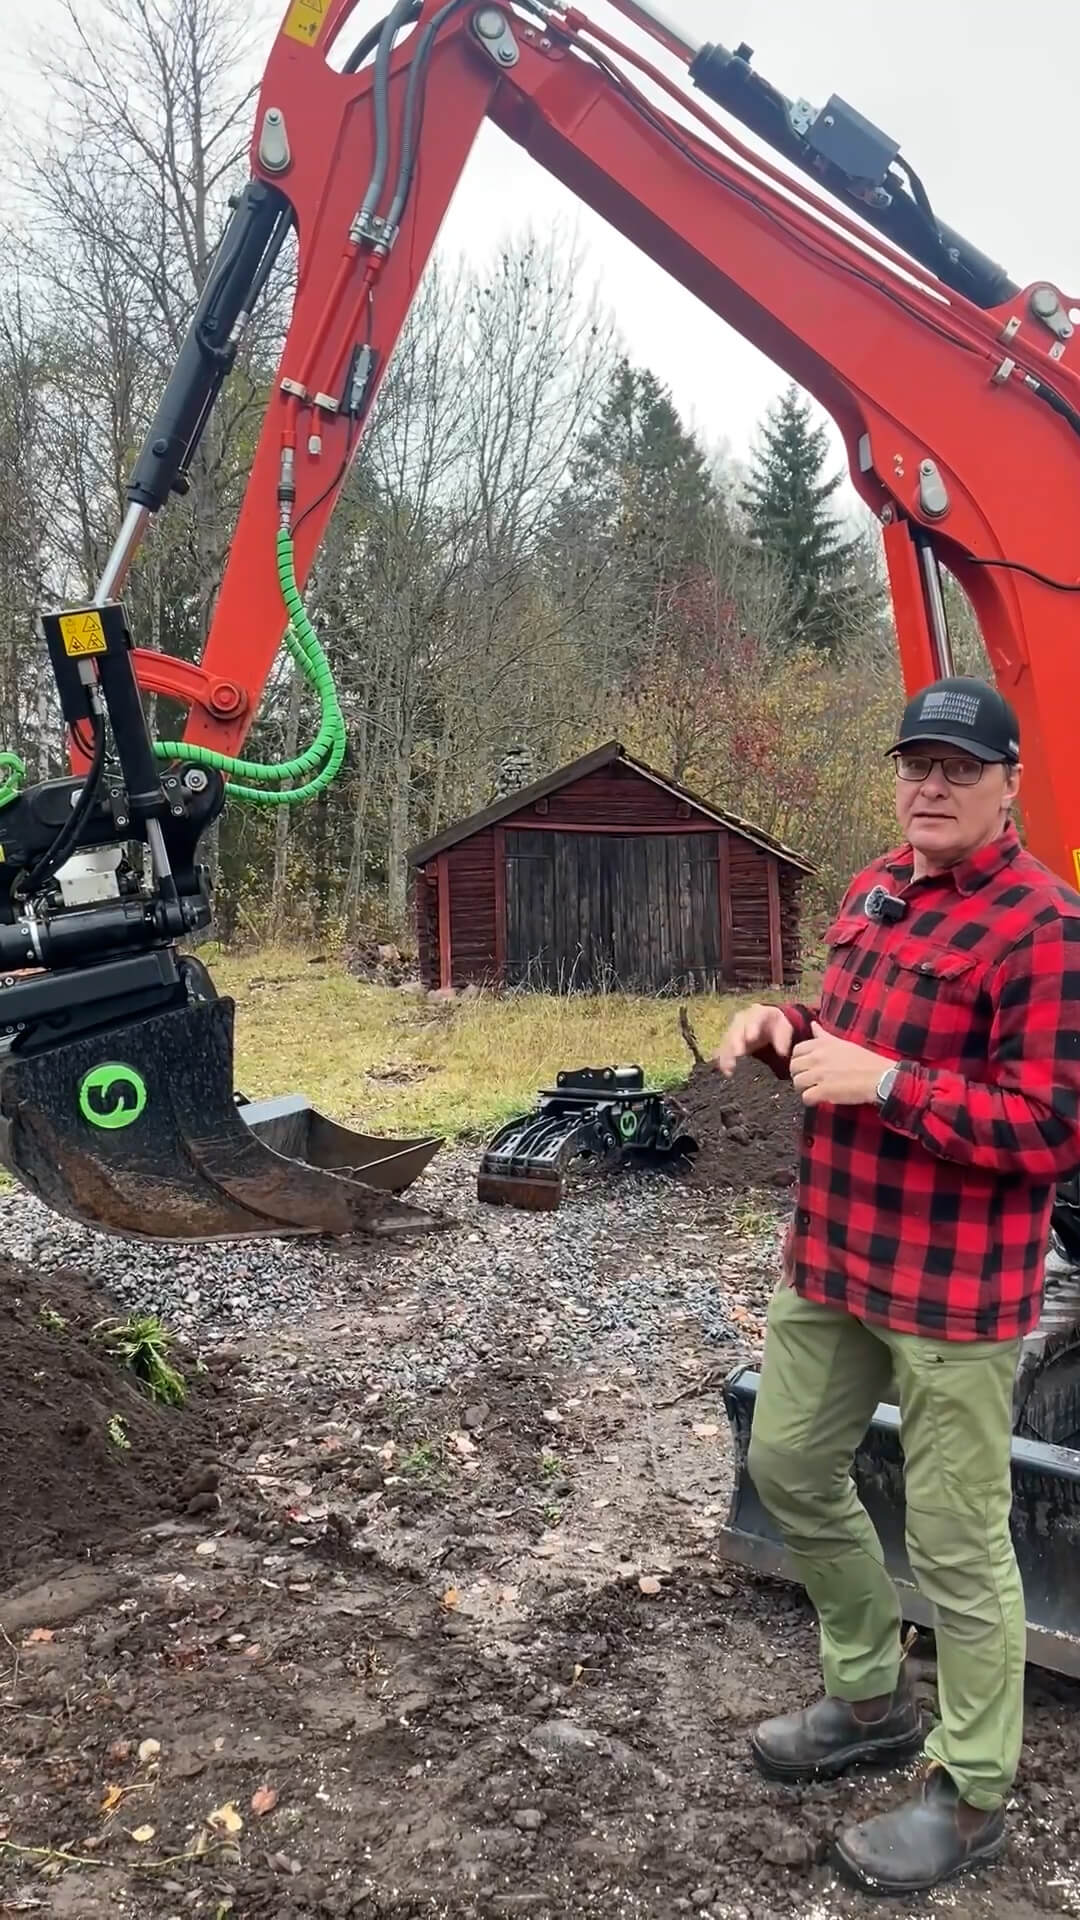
x: 371, y: 39
x: 418, y: 67
x: 381, y: 89
x: 67, y: 838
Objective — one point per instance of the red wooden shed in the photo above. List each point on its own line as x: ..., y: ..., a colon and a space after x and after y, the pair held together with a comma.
x: 606, y: 873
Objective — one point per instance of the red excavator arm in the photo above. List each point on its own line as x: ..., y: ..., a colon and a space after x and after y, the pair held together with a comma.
x: 958, y: 395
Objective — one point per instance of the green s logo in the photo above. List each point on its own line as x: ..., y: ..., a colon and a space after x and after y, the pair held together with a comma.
x: 111, y: 1095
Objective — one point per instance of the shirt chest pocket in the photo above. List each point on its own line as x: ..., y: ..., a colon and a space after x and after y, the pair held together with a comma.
x: 912, y: 1000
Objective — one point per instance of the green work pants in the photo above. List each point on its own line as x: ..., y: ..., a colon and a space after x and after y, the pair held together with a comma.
x: 824, y: 1373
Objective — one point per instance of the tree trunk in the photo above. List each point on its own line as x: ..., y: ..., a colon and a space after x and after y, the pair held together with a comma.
x: 397, y: 838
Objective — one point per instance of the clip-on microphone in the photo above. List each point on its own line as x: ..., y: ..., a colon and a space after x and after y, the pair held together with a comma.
x: 883, y: 906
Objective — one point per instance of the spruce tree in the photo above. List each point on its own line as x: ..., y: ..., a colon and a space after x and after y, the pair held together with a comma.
x: 631, y: 523
x: 786, y: 502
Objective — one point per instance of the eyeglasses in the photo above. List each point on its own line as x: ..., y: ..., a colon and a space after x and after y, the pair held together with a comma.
x: 960, y: 770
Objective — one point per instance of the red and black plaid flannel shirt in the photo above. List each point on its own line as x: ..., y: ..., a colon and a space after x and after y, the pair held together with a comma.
x: 931, y: 1213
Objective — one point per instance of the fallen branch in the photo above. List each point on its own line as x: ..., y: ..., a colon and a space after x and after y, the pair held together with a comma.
x: 14, y: 1651
x: 690, y: 1037
x: 707, y: 1383
x: 45, y: 1854
x: 48, y: 1854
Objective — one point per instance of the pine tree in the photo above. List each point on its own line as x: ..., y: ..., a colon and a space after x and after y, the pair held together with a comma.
x: 787, y: 507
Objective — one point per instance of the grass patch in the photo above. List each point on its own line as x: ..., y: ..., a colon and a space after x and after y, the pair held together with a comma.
x: 141, y: 1344
x: 423, y: 1462
x: 373, y: 1058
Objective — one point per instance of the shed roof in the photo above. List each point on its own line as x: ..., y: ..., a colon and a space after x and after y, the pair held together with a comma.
x: 605, y: 756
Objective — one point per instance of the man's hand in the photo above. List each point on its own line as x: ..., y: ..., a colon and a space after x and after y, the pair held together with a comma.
x: 827, y: 1068
x: 752, y: 1030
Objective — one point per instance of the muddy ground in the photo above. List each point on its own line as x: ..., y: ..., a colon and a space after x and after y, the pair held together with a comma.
x: 469, y: 1652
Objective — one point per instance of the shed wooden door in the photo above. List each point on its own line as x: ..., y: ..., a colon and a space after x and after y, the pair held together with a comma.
x: 636, y: 911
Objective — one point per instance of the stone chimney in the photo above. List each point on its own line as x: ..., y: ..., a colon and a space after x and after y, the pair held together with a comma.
x: 516, y: 769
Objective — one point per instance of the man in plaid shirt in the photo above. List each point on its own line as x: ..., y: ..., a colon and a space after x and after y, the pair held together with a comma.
x: 940, y: 1075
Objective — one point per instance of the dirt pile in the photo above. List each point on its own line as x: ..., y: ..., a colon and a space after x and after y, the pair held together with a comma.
x: 380, y: 963
x: 88, y: 1457
x: 747, y: 1128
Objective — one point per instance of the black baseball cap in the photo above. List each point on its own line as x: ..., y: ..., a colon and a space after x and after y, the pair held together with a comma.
x: 967, y: 714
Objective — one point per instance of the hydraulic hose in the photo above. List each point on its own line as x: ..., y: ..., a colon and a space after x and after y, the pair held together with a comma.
x: 15, y: 769
x: 313, y: 770
x: 327, y: 750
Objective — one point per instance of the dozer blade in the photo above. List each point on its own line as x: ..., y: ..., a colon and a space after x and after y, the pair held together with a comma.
x: 135, y: 1132
x: 535, y: 1193
x: 1045, y: 1524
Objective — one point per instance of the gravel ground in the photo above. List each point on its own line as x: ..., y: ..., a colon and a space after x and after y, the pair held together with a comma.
x: 625, y: 1260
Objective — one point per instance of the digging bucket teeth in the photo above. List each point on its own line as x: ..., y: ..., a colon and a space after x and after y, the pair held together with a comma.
x: 1045, y: 1523
x: 135, y: 1131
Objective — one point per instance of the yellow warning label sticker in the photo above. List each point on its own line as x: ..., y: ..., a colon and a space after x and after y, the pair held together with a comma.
x: 1076, y: 864
x: 82, y: 633
x: 304, y: 20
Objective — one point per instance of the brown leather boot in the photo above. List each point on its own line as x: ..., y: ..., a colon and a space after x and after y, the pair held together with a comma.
x: 824, y: 1740
x: 922, y: 1843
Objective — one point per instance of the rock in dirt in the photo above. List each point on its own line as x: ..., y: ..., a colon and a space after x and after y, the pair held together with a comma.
x: 89, y: 1458
x: 784, y: 1846
x: 748, y: 1128
x: 563, y: 1736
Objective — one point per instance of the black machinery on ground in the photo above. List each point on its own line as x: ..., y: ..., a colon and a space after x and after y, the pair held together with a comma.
x: 606, y: 1115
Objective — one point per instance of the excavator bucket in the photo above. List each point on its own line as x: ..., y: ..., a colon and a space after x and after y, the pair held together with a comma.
x: 136, y: 1132
x: 1045, y: 1515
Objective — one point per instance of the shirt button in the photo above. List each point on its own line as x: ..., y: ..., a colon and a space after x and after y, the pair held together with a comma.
x: 856, y: 986
x: 926, y: 966
x: 803, y: 1217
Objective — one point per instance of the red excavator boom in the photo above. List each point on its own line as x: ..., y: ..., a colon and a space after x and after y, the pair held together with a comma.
x: 959, y: 403
x: 957, y: 393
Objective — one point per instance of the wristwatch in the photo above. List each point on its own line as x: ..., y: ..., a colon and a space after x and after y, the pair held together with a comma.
x: 885, y: 1084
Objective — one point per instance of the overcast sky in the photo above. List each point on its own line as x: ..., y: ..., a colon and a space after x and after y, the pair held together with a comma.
x: 979, y: 93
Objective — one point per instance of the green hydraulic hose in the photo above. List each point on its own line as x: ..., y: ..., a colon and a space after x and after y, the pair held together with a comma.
x: 327, y: 750
x: 16, y: 772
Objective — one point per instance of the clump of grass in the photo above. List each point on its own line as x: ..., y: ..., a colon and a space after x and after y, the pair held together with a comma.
x: 422, y: 1460
x: 51, y: 1319
x: 141, y: 1344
